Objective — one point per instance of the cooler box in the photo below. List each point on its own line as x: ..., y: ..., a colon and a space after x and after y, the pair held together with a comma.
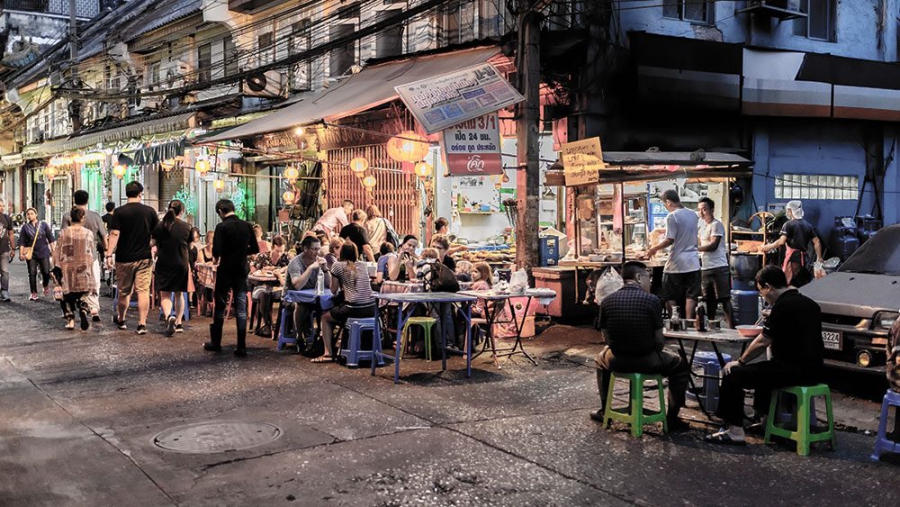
x: 549, y: 250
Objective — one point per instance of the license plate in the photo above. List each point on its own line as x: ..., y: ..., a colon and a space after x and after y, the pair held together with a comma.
x: 832, y: 339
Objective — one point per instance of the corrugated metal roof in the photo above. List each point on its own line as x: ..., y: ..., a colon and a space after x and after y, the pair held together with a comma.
x: 159, y: 15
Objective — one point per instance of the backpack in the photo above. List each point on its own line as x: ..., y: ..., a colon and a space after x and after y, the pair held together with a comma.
x: 441, y: 279
x: 391, y: 237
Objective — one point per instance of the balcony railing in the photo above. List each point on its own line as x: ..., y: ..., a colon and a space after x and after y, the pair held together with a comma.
x: 25, y: 5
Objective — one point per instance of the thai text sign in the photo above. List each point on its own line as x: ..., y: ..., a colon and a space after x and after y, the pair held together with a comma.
x: 446, y: 100
x: 582, y: 161
x: 472, y: 148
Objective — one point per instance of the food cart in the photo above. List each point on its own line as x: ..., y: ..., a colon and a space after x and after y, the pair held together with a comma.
x: 618, y: 218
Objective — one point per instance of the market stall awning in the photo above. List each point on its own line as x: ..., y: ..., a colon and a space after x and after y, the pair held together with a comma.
x: 371, y: 87
x: 625, y: 166
x: 163, y: 125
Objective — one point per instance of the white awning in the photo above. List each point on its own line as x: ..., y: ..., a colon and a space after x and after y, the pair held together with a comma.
x: 371, y: 87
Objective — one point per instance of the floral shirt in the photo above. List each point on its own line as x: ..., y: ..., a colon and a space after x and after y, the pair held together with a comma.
x: 264, y: 260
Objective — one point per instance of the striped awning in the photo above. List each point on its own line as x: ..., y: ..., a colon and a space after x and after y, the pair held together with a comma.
x: 155, y: 126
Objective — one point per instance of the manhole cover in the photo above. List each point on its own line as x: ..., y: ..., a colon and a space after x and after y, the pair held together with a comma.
x: 212, y: 437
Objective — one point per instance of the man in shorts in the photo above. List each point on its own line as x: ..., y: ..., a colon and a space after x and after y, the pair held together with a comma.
x: 715, y: 277
x: 129, y: 238
x: 681, y: 274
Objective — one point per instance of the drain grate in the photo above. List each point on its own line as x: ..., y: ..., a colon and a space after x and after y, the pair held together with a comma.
x: 216, y: 436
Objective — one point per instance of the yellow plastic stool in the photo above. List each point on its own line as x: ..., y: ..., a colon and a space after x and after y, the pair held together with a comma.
x: 426, y: 323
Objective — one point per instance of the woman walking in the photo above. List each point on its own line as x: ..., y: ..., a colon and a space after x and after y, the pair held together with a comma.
x: 377, y: 226
x: 74, y: 255
x: 35, y: 240
x: 173, y: 237
x: 352, y: 278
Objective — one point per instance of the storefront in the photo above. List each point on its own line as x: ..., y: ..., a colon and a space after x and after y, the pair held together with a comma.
x: 620, y: 216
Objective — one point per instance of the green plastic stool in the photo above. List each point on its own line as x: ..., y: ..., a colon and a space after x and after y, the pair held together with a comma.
x: 426, y: 323
x: 801, y: 434
x: 634, y: 413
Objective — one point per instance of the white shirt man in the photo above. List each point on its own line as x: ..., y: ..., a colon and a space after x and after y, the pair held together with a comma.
x: 715, y: 278
x: 681, y: 275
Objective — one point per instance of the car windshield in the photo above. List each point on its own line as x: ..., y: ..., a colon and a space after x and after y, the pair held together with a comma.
x: 879, y: 255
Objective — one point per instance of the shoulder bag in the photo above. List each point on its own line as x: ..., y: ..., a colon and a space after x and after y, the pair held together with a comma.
x: 28, y: 252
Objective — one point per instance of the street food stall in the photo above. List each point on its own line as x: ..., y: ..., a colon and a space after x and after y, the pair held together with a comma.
x: 619, y: 215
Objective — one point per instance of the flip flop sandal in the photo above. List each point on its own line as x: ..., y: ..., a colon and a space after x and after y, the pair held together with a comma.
x: 722, y: 438
x: 322, y: 359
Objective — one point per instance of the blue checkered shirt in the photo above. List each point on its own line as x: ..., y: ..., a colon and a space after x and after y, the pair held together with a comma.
x: 631, y: 317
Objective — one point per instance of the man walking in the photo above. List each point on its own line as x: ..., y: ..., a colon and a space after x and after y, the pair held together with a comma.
x: 233, y: 242
x: 93, y: 222
x: 795, y: 237
x: 7, y: 249
x: 794, y: 331
x: 681, y: 274
x: 129, y: 238
x: 632, y: 326
x: 715, y: 278
x: 110, y: 206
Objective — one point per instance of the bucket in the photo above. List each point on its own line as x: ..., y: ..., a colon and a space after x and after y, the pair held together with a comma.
x: 746, y: 306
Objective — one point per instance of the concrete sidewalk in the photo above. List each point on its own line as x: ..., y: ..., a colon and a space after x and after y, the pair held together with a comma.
x: 83, y: 413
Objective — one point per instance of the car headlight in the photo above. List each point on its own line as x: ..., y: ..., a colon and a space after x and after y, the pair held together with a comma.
x: 884, y: 320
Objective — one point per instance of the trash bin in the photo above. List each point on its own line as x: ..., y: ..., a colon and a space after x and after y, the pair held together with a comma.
x: 706, y: 363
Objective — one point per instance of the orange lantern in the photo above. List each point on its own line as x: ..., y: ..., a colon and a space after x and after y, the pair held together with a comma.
x: 119, y: 170
x: 408, y: 147
x: 202, y: 166
x: 288, y: 196
x: 424, y: 169
x: 291, y: 173
x: 50, y: 172
x: 359, y: 165
x: 369, y: 182
x: 219, y: 185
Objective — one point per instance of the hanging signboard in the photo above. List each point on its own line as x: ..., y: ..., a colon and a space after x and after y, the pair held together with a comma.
x: 472, y: 148
x: 446, y: 100
x: 582, y: 161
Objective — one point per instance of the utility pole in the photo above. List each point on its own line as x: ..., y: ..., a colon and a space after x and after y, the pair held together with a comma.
x: 74, y: 103
x: 528, y: 172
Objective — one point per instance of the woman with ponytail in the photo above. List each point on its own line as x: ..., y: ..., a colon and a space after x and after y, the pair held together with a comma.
x: 173, y: 237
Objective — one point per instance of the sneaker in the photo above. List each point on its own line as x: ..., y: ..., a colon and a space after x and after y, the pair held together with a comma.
x: 34, y: 296
x: 119, y: 323
x: 240, y: 352
x: 179, y: 328
x: 95, y: 317
x: 141, y: 329
x: 47, y: 291
x: 211, y: 347
x: 70, y: 322
x: 85, y: 323
x: 170, y: 325
x: 4, y: 297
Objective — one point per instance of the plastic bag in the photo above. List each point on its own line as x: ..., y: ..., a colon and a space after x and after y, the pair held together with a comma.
x: 518, y: 282
x: 609, y: 282
x: 818, y: 270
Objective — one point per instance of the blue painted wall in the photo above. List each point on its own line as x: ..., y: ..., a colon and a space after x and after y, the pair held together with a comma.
x: 865, y: 29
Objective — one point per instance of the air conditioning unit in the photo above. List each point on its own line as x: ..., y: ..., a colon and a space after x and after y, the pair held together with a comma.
x: 268, y: 84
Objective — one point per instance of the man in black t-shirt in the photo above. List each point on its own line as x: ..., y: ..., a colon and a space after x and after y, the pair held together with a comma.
x: 355, y: 231
x: 129, y: 238
x: 234, y: 241
x: 795, y: 237
x: 110, y: 206
x: 794, y: 331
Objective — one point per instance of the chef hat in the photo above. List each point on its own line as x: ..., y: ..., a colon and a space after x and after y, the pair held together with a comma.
x: 796, y: 208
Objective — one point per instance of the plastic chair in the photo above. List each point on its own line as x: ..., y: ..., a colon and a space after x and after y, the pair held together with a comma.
x: 353, y: 352
x: 426, y: 323
x: 285, y: 339
x: 882, y: 443
x: 802, y: 433
x: 115, y: 300
x: 187, y: 307
x: 634, y: 413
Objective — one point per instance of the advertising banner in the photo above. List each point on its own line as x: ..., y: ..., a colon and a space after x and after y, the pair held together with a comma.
x: 472, y: 148
x: 582, y: 161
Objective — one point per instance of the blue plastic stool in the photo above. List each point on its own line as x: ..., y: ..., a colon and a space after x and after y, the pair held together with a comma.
x: 115, y: 304
x: 708, y: 362
x: 353, y: 351
x: 187, y: 307
x: 285, y: 339
x: 882, y: 444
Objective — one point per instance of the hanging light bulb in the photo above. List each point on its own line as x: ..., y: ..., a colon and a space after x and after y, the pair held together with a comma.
x: 119, y: 170
x: 369, y: 182
x: 50, y: 172
x: 288, y: 196
x: 505, y: 177
x: 202, y: 166
x: 219, y: 185
x: 291, y: 173
x: 299, y: 131
x: 359, y: 165
x: 424, y: 169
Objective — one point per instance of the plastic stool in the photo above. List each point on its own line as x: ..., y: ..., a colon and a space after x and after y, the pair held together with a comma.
x: 353, y: 351
x: 187, y: 307
x: 426, y: 323
x: 802, y: 434
x: 634, y: 414
x: 115, y: 303
x: 882, y: 444
x: 283, y: 337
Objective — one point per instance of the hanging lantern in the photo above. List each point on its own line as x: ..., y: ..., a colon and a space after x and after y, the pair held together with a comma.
x: 424, y: 169
x: 119, y: 170
x: 359, y: 165
x: 219, y: 185
x: 369, y: 182
x: 288, y: 196
x: 291, y: 173
x: 202, y: 166
x: 408, y: 147
x: 50, y: 172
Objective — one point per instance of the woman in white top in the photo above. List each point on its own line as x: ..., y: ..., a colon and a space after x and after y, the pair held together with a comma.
x: 376, y: 226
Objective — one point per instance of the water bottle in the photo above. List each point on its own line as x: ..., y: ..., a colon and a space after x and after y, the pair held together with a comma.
x: 320, y: 282
x: 675, y: 320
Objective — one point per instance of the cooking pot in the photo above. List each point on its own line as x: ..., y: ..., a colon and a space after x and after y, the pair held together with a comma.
x: 745, y: 266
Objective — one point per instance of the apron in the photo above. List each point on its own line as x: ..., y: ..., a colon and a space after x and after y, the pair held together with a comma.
x: 786, y: 265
